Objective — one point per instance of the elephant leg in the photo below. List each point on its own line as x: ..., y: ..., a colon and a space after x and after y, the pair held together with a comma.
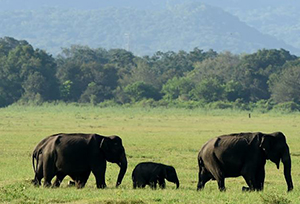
x: 221, y: 184
x: 49, y: 171
x: 260, y: 179
x: 217, y: 173
x: 100, y: 178
x: 140, y: 183
x: 153, y: 184
x: 203, y: 177
x: 250, y: 180
x: 98, y: 169
x: 250, y: 186
x: 250, y: 173
x: 83, y: 179
x: 59, y: 178
x: 134, y: 185
x: 38, y: 176
x: 162, y: 183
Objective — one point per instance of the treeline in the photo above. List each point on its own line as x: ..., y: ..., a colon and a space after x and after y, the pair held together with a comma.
x: 267, y: 78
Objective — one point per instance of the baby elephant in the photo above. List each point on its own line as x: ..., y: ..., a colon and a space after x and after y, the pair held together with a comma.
x: 149, y: 173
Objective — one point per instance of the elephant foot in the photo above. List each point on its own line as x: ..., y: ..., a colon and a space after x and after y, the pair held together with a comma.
x: 245, y: 189
x: 36, y: 183
x: 47, y: 185
x: 117, y: 184
x: 102, y: 186
x: 223, y: 189
x: 71, y: 183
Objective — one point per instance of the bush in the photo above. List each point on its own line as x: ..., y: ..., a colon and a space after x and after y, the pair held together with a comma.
x: 186, y: 104
x: 274, y: 199
x: 240, y: 105
x: 108, y: 103
x: 287, y: 107
x: 263, y: 105
x: 151, y: 103
x: 31, y: 99
x: 220, y: 105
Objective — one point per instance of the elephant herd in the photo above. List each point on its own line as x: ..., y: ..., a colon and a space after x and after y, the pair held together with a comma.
x: 233, y: 155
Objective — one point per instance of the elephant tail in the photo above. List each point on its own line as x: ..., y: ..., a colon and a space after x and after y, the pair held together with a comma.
x: 35, y: 157
x: 33, y: 161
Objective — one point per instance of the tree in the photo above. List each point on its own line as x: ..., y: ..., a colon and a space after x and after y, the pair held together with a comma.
x: 233, y: 90
x: 26, y: 72
x: 254, y: 71
x: 140, y: 90
x: 33, y: 86
x: 286, y: 86
x: 177, y: 88
x: 221, y: 66
x: 168, y: 65
x: 197, y: 55
x: 95, y: 93
x: 142, y: 71
x: 84, y: 73
x: 208, y: 90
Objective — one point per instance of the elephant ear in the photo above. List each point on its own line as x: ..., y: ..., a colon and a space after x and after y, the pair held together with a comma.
x: 103, y: 144
x: 163, y: 172
x: 266, y: 144
x: 167, y: 171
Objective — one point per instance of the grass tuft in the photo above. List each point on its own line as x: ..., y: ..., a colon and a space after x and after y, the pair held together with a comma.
x: 274, y: 199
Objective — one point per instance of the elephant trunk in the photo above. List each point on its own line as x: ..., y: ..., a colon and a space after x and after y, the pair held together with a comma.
x: 123, y: 167
x: 286, y: 160
x: 177, y: 184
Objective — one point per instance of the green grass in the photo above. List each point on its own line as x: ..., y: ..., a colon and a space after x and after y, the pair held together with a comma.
x: 170, y: 136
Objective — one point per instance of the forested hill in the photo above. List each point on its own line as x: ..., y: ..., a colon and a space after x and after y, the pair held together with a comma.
x: 177, y: 27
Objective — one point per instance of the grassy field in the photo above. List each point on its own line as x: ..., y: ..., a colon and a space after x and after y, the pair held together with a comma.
x: 170, y: 136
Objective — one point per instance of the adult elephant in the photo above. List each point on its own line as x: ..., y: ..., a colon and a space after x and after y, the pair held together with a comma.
x: 243, y: 154
x: 77, y: 155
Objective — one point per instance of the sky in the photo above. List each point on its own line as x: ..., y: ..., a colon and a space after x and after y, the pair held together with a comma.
x: 149, y: 4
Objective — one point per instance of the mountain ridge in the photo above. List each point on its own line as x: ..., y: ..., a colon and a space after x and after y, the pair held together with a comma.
x: 179, y: 27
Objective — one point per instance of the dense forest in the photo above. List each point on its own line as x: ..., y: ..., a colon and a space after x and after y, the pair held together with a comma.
x: 266, y: 78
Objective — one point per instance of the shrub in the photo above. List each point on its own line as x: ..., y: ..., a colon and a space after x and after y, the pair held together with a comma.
x: 287, y: 107
x: 108, y: 103
x: 220, y: 105
x: 274, y: 199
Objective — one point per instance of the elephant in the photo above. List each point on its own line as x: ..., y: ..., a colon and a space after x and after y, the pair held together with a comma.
x: 149, y: 173
x: 243, y: 154
x: 77, y: 155
x: 79, y: 180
